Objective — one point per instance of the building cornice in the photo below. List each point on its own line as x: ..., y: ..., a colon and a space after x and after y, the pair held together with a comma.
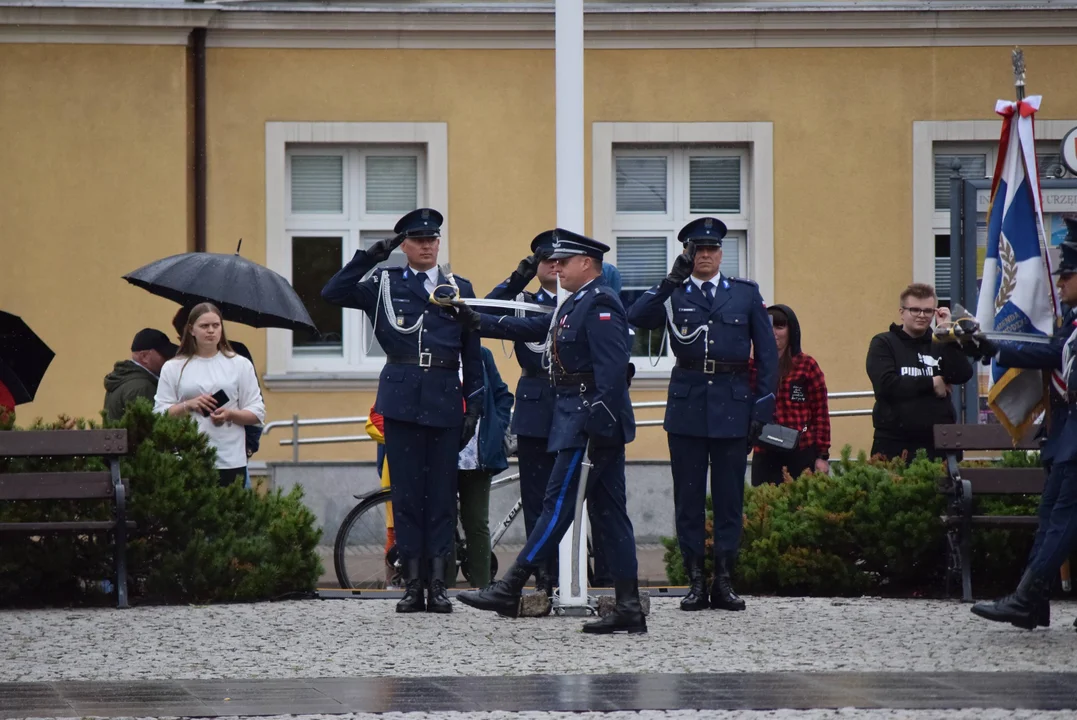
x: 843, y: 23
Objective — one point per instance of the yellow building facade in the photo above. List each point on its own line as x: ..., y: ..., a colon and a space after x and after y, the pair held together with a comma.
x: 815, y: 134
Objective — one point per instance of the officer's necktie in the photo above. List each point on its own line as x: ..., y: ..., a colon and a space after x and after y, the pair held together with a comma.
x: 708, y: 290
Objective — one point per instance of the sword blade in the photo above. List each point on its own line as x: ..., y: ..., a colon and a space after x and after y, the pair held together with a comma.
x: 506, y: 304
x: 1018, y: 337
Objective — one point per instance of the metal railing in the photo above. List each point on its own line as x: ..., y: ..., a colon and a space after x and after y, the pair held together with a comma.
x: 295, y: 423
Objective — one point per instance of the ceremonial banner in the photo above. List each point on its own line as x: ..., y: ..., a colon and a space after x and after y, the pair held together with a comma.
x: 1016, y: 294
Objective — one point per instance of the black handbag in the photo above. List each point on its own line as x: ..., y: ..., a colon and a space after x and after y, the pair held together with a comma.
x: 779, y: 437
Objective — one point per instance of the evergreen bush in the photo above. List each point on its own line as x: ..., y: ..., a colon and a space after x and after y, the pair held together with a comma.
x: 194, y: 542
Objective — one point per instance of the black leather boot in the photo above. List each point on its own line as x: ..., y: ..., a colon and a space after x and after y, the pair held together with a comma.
x: 1023, y: 608
x: 696, y: 599
x: 503, y: 596
x: 627, y: 615
x: 437, y: 598
x: 413, y: 588
x: 722, y: 595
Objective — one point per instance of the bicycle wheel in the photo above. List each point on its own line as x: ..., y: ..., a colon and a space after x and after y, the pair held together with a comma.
x: 364, y: 554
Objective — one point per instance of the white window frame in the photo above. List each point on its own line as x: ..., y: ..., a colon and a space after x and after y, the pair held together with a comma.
x: 356, y: 141
x: 932, y: 136
x: 754, y: 141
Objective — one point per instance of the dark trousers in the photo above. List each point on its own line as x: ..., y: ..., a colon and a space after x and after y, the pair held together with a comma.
x: 1058, y: 520
x: 611, y: 527
x: 227, y: 476
x: 727, y: 460
x: 891, y: 448
x: 422, y: 471
x: 536, y: 466
x: 474, y: 488
x: 768, y: 465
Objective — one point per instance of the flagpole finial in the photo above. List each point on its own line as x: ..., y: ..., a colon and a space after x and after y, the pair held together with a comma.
x: 1019, y: 72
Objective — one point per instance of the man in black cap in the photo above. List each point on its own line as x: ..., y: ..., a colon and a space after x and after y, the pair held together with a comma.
x: 592, y: 421
x: 1029, y: 606
x: 137, y: 377
x: 713, y: 415
x: 428, y: 417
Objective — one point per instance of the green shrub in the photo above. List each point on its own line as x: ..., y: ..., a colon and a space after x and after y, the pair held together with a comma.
x: 195, y: 541
x: 872, y: 527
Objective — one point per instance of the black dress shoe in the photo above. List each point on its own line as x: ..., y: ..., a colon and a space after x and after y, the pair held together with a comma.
x: 1022, y: 608
x: 503, y: 596
x: 413, y: 589
x: 437, y: 597
x: 722, y: 595
x: 627, y: 615
x: 696, y: 599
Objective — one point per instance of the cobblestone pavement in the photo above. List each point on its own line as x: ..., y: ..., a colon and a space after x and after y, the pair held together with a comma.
x: 842, y: 714
x: 355, y: 638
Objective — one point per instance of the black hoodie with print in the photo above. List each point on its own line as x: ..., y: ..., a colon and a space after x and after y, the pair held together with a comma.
x: 902, y: 368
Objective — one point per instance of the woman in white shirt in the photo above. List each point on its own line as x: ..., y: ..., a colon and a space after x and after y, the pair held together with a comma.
x: 204, y: 366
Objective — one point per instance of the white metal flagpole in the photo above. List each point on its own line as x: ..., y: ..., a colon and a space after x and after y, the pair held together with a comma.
x: 568, y: 63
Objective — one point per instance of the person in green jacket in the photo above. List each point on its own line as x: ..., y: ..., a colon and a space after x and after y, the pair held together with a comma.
x: 137, y: 377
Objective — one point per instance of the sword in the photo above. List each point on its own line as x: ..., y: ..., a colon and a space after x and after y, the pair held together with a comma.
x: 445, y: 299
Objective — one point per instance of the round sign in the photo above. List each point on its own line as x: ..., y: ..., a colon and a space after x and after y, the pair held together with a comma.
x: 1069, y: 151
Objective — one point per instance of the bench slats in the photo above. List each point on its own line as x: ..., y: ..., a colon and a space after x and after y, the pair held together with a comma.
x: 995, y: 521
x: 982, y: 437
x: 1005, y: 481
x: 63, y: 443
x: 45, y: 527
x: 56, y: 486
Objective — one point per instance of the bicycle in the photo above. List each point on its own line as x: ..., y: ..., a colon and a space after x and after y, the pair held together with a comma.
x: 365, y: 557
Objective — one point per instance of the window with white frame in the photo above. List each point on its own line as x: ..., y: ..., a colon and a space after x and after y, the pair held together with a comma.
x: 656, y: 191
x: 340, y: 199
x: 971, y: 161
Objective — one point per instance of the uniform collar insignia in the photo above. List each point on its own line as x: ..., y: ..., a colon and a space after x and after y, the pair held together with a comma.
x: 580, y: 294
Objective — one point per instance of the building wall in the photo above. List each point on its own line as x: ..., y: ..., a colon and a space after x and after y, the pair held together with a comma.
x: 842, y: 121
x: 94, y: 185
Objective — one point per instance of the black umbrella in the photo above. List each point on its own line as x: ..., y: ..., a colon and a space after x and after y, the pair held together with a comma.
x: 246, y: 292
x: 24, y: 358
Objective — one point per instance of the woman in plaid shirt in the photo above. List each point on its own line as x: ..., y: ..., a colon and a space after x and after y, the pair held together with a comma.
x: 801, y: 405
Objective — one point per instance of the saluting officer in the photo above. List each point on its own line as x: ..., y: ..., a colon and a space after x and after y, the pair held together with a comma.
x: 419, y: 393
x: 712, y: 415
x: 533, y: 414
x: 592, y: 420
x: 1029, y: 605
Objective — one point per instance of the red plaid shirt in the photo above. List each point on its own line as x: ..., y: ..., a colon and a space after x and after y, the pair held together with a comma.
x: 802, y: 403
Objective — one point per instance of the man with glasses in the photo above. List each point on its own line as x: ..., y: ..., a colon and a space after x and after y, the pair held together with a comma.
x: 913, y: 377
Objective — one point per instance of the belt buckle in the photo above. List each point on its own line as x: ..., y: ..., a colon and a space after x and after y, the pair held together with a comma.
x: 708, y: 367
x: 425, y: 359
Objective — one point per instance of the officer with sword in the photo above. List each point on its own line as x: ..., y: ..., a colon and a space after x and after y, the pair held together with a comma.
x: 429, y: 418
x: 592, y: 422
x: 1029, y: 605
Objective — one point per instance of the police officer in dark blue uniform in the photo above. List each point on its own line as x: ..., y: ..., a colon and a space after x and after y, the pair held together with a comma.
x: 419, y: 393
x: 1029, y: 606
x: 592, y: 422
x: 713, y: 417
x: 533, y: 414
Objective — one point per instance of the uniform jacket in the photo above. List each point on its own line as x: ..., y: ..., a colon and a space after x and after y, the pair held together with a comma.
x: 127, y: 381
x: 534, y: 395
x: 902, y: 370
x: 1061, y: 441
x: 589, y: 335
x: 735, y: 326
x: 430, y: 396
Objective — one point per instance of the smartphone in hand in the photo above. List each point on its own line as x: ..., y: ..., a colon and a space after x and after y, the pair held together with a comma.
x: 221, y: 397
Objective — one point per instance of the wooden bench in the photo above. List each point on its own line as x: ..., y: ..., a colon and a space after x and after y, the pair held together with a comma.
x: 104, y: 485
x: 961, y: 484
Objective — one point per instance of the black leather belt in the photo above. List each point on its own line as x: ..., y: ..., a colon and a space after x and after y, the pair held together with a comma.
x: 572, y: 379
x: 528, y: 373
x: 711, y: 367
x: 425, y: 360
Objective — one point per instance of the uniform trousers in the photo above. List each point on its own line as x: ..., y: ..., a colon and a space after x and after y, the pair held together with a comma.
x: 423, y: 463
x: 610, y: 526
x: 1058, y: 520
x: 536, y: 467
x: 727, y: 459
